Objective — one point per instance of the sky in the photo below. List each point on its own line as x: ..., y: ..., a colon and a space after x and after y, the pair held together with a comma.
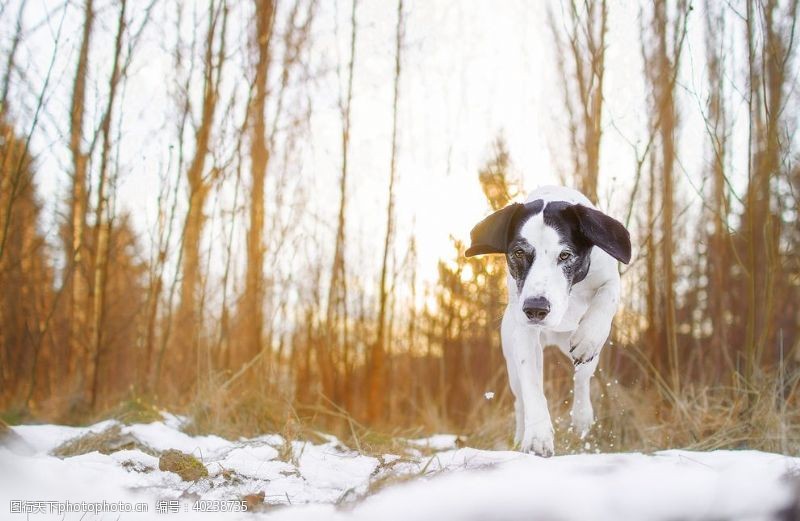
x: 471, y: 72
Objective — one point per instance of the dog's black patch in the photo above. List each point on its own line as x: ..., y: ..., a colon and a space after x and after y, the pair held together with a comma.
x: 519, y: 265
x: 561, y: 216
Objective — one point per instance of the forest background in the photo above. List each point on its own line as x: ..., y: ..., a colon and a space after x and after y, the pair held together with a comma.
x: 253, y: 212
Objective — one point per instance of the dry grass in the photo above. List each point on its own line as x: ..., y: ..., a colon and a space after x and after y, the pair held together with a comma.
x: 644, y: 417
x: 697, y: 417
x: 251, y: 410
x: 107, y: 441
x: 134, y: 410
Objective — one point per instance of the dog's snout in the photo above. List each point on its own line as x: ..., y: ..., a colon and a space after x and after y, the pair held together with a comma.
x: 536, y: 308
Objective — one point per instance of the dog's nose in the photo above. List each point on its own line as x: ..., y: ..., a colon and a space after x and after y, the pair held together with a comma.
x: 536, y: 308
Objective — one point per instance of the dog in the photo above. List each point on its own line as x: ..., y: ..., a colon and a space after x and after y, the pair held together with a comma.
x: 563, y: 290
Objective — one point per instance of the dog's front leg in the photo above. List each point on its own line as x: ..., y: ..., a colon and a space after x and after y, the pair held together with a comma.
x: 527, y: 355
x: 582, y: 413
x: 506, y: 335
x: 595, y: 325
x: 585, y: 345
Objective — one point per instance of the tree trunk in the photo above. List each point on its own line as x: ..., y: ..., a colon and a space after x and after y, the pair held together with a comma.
x: 259, y: 157
x: 337, y: 315
x: 189, y: 319
x: 376, y: 374
x: 12, y: 54
x: 102, y: 224
x: 583, y: 86
x: 718, y: 258
x: 662, y: 65
x: 78, y: 276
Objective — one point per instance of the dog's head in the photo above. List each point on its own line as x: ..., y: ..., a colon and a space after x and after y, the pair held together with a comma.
x: 547, y: 247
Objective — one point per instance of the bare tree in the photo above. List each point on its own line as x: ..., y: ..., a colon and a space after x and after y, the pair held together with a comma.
x: 10, y: 58
x: 199, y: 185
x: 259, y: 157
x: 377, y: 370
x: 102, y: 220
x: 337, y: 315
x: 770, y: 31
x: 25, y: 277
x: 168, y: 197
x: 164, y: 229
x: 662, y: 59
x: 585, y: 48
x: 718, y: 128
x: 9, y: 179
x: 78, y: 277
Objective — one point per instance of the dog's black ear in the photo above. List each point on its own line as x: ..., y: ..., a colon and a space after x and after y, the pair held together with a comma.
x: 605, y: 232
x: 491, y: 234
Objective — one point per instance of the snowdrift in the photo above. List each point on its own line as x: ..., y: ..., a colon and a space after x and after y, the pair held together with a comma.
x: 274, y: 478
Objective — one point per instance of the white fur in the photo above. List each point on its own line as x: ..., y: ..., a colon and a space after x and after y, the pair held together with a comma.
x: 580, y: 317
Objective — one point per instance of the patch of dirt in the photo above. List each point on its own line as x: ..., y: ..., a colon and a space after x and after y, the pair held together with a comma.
x: 255, y: 502
x: 105, y: 442
x: 185, y: 465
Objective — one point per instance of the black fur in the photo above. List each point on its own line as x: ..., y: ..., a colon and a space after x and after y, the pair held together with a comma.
x: 518, y: 268
x: 560, y: 216
x: 491, y: 234
x: 605, y: 232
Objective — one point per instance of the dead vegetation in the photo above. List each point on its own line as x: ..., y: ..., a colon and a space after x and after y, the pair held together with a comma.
x: 107, y: 441
x: 644, y: 415
x: 134, y: 410
x: 257, y: 409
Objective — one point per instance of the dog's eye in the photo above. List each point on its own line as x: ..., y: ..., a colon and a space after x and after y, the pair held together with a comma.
x: 519, y: 253
x: 564, y: 255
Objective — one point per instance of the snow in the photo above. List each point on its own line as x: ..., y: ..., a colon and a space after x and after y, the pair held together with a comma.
x: 326, y: 467
x: 254, y: 462
x: 44, y: 438
x: 436, y: 442
x: 160, y: 436
x: 330, y: 481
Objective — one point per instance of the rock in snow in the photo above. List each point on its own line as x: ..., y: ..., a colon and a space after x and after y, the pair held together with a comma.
x: 329, y: 481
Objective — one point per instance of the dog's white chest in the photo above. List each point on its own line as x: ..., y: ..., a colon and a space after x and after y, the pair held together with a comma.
x: 576, y: 308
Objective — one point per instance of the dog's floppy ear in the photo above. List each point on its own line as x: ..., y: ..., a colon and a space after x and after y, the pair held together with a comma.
x: 605, y: 232
x: 491, y: 234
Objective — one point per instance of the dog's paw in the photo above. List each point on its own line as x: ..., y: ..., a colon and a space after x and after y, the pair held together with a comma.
x: 582, y: 418
x: 587, y: 341
x: 538, y: 440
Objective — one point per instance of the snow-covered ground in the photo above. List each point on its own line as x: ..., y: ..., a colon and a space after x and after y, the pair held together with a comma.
x: 431, y: 480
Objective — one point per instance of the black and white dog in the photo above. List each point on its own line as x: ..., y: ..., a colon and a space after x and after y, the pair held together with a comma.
x: 562, y: 291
